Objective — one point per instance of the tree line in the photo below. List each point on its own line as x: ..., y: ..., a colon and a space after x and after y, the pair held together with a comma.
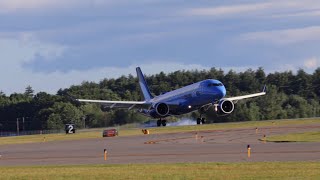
x: 289, y: 95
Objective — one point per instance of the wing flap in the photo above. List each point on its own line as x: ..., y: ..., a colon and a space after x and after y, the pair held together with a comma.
x: 111, y: 102
x: 118, y: 104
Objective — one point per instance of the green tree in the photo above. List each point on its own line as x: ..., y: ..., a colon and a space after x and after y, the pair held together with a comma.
x: 93, y: 115
x: 289, y: 95
x: 55, y: 121
x: 65, y: 113
x: 29, y: 91
x: 271, y: 104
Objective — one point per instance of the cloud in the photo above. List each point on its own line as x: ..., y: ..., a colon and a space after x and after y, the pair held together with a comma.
x: 271, y: 8
x: 20, y: 50
x: 227, y: 10
x: 14, y: 77
x: 29, y: 46
x: 283, y: 37
x: 16, y: 6
x: 312, y: 13
x: 51, y: 82
x: 7, y: 6
x: 146, y: 37
x: 79, y: 36
x: 311, y: 63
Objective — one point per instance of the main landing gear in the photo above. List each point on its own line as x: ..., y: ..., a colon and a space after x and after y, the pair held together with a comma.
x: 201, y: 120
x: 163, y: 122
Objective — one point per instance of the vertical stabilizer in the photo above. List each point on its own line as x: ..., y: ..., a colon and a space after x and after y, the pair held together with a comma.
x: 143, y: 85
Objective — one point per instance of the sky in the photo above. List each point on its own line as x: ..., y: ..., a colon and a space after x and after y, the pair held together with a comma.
x: 53, y: 44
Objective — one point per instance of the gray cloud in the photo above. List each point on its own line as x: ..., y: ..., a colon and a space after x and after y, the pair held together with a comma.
x: 53, y: 44
x: 286, y: 36
x: 223, y: 11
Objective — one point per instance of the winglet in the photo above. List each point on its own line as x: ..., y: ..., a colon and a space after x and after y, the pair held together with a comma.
x: 264, y: 88
x: 72, y: 98
x: 143, y: 85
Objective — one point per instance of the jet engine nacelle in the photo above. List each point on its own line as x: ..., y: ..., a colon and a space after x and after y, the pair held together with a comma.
x: 225, y: 107
x: 162, y: 109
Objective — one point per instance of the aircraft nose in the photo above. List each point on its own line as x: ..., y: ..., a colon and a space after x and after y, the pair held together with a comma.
x: 222, y: 92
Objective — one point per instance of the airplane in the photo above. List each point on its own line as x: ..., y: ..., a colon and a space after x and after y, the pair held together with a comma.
x: 199, y: 96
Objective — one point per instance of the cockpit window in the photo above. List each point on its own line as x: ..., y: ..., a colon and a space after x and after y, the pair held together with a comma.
x: 215, y: 84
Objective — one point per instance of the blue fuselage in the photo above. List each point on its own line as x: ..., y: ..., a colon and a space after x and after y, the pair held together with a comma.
x: 191, y: 97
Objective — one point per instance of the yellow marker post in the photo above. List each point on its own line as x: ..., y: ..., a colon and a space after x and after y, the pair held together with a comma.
x: 196, y: 136
x: 256, y: 130
x: 44, y: 139
x: 264, y: 139
x: 105, y: 154
x: 249, y: 151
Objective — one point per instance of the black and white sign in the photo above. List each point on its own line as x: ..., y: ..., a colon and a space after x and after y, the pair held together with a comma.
x: 70, y: 129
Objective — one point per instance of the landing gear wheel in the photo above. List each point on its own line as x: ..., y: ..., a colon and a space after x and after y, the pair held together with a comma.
x: 198, y: 120
x: 159, y: 123
x: 164, y: 122
x: 203, y: 120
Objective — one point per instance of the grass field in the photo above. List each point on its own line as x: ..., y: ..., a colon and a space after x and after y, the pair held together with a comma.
x: 136, y: 131
x: 260, y: 170
x: 59, y: 137
x: 296, y: 137
x: 246, y: 124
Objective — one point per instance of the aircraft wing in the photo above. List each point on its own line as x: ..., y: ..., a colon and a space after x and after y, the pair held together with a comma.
x: 119, y: 104
x: 237, y: 98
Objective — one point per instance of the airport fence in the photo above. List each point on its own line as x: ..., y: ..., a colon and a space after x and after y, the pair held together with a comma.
x: 34, y: 132
x: 62, y: 131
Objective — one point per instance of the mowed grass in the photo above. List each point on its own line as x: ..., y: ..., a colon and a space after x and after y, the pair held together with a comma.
x: 59, y: 137
x: 260, y: 170
x: 137, y: 131
x: 296, y: 137
x: 236, y: 125
x: 46, y: 138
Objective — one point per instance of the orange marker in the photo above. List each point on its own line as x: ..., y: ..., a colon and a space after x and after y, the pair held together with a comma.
x: 249, y: 151
x: 105, y: 154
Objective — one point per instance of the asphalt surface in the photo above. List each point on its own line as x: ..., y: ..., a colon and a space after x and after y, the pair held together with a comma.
x: 204, y: 146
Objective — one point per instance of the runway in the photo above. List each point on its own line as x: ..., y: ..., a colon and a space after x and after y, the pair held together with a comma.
x: 204, y: 146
